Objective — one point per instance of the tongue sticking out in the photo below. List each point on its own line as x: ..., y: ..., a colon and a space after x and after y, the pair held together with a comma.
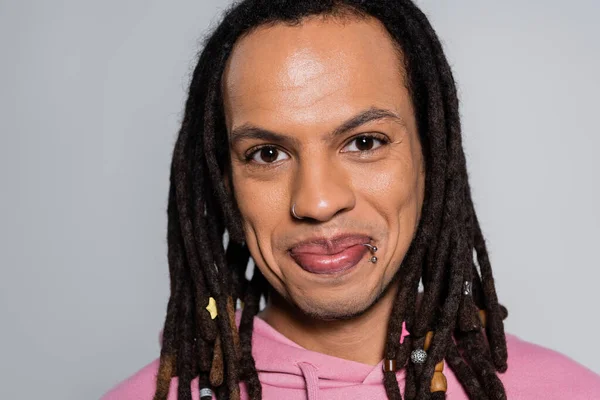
x: 330, y: 257
x: 330, y: 264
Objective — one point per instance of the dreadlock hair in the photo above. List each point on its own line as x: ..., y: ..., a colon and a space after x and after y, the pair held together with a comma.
x: 447, y: 250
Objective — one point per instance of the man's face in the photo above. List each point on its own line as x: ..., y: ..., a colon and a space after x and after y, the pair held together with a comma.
x: 288, y: 92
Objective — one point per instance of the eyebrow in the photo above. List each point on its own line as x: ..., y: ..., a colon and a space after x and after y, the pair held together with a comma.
x: 249, y: 131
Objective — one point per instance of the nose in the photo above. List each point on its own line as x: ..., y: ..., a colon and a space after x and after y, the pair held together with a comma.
x: 321, y: 191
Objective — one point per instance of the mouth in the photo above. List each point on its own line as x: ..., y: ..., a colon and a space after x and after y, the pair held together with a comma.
x: 330, y: 256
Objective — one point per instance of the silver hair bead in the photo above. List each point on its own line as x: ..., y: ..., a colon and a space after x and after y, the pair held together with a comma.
x: 206, y: 392
x: 418, y: 356
x: 467, y: 288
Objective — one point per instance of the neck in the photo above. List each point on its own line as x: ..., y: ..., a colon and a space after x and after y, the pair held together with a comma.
x: 361, y: 339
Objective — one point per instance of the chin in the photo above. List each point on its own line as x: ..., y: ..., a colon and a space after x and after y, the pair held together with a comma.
x: 329, y: 308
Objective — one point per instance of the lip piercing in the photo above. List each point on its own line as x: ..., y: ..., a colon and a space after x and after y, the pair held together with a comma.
x: 373, y: 249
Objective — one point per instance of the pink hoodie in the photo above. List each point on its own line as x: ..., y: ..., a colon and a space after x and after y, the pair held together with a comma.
x: 288, y: 371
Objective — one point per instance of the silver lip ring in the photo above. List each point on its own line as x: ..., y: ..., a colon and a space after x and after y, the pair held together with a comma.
x: 372, y: 248
x: 294, y: 212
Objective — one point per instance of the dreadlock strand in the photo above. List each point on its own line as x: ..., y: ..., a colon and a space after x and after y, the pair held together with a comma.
x: 464, y: 373
x: 410, y: 386
x: 203, y: 383
x: 495, y: 325
x: 229, y: 352
x: 203, y: 354
x: 166, y: 367
x: 438, y: 396
x: 185, y: 352
x: 237, y: 257
x: 468, y: 313
x: 217, y: 372
x: 476, y: 353
x: 251, y: 307
x: 391, y: 385
x: 177, y: 264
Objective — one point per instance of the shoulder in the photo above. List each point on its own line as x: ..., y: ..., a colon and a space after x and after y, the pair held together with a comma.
x: 139, y: 386
x: 537, y: 372
x: 142, y: 384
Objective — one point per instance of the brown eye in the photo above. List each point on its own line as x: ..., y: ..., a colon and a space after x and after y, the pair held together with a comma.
x: 267, y: 155
x: 364, y: 143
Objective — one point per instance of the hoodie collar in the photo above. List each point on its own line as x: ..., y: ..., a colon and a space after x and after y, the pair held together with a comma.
x: 281, y: 361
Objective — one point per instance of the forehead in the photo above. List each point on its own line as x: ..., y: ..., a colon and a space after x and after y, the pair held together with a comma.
x: 318, y: 72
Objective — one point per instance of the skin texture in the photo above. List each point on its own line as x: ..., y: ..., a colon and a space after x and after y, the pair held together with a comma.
x: 302, y: 83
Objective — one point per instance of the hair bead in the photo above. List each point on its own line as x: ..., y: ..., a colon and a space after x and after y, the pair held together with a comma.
x: 389, y: 365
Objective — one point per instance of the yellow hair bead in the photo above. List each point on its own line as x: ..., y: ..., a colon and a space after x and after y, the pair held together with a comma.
x: 212, y: 308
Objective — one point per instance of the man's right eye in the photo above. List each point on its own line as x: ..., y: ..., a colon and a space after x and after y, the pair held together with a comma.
x: 266, y: 155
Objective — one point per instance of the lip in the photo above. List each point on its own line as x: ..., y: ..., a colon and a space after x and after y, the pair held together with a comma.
x: 330, y: 255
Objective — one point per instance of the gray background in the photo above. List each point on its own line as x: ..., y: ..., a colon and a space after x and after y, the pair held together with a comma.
x: 91, y: 95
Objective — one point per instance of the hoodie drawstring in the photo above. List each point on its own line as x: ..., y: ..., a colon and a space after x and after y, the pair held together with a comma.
x: 311, y: 378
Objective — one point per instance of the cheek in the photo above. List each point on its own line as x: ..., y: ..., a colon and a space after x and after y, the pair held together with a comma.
x: 263, y: 208
x: 394, y: 192
x: 392, y: 187
x: 262, y: 204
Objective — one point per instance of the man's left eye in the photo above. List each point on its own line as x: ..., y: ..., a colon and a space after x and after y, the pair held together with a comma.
x: 363, y: 143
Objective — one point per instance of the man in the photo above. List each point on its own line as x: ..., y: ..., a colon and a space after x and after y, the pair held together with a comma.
x: 324, y: 138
